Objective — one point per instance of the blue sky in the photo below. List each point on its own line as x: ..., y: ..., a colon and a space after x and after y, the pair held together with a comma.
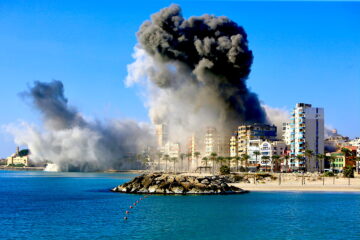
x: 304, y: 52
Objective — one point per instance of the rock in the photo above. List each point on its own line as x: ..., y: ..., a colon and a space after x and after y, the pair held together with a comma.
x: 177, y: 184
x: 205, y: 181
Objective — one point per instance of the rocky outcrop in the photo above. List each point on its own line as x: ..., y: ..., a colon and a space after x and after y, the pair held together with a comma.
x: 157, y: 183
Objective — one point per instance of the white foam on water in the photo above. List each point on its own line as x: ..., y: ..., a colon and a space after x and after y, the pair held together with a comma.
x: 52, y: 167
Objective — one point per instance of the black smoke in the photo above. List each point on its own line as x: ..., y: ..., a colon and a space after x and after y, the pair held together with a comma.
x: 209, y: 51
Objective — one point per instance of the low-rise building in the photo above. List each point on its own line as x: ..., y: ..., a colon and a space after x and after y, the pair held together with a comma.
x: 261, y: 153
x: 19, y: 158
x: 338, y: 161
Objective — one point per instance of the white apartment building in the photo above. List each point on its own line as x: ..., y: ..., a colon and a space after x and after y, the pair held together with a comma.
x: 172, y: 149
x: 307, y: 132
x: 265, y: 148
x: 287, y: 133
x: 356, y: 143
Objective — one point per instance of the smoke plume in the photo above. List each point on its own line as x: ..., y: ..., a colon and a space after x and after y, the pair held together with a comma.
x: 196, y: 70
x: 74, y: 143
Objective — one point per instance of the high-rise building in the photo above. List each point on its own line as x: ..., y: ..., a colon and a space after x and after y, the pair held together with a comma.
x: 216, y: 142
x: 234, y: 145
x: 287, y: 133
x: 162, y: 135
x: 307, y: 133
x: 254, y: 132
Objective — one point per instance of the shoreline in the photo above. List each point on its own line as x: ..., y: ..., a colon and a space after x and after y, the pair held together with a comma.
x: 22, y: 168
x: 297, y: 188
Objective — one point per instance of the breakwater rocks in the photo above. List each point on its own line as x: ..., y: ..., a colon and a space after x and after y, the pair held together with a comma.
x: 157, y: 183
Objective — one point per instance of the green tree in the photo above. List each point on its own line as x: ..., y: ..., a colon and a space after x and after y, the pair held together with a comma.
x: 346, y: 152
x: 348, y: 171
x: 224, y: 170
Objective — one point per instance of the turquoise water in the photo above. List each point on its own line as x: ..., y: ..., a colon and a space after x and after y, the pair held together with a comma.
x: 39, y: 205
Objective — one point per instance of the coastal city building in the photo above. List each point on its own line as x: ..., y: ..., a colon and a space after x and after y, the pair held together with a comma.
x: 19, y: 158
x: 338, y: 161
x: 172, y: 149
x: 216, y: 142
x: 162, y: 135
x: 258, y: 149
x: 335, y: 141
x: 234, y: 145
x: 307, y: 133
x: 194, y: 150
x: 287, y: 133
x: 245, y: 133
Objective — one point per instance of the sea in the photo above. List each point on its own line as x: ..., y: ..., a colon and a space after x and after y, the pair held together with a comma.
x: 48, y: 205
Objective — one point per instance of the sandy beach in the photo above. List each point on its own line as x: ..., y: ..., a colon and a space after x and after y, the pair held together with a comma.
x: 328, y: 184
x: 293, y: 182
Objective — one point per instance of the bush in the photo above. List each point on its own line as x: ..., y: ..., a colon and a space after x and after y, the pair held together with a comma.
x: 348, y: 172
x: 242, y: 169
x: 17, y: 165
x: 224, y: 170
x: 328, y: 174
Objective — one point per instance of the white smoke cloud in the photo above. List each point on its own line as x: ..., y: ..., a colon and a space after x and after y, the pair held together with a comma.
x: 277, y: 116
x: 74, y: 142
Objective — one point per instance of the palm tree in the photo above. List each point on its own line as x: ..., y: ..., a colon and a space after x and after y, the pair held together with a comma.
x: 188, y: 156
x: 256, y: 153
x: 274, y: 159
x: 236, y: 160
x: 159, y: 154
x: 174, y: 160
x: 331, y: 160
x: 197, y: 154
x: 308, y: 154
x: 286, y: 158
x: 182, y: 156
x: 265, y: 159
x: 167, y: 158
x: 321, y: 157
x: 213, y: 157
x: 220, y: 160
x: 245, y: 158
x: 205, y: 160
x: 346, y: 152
